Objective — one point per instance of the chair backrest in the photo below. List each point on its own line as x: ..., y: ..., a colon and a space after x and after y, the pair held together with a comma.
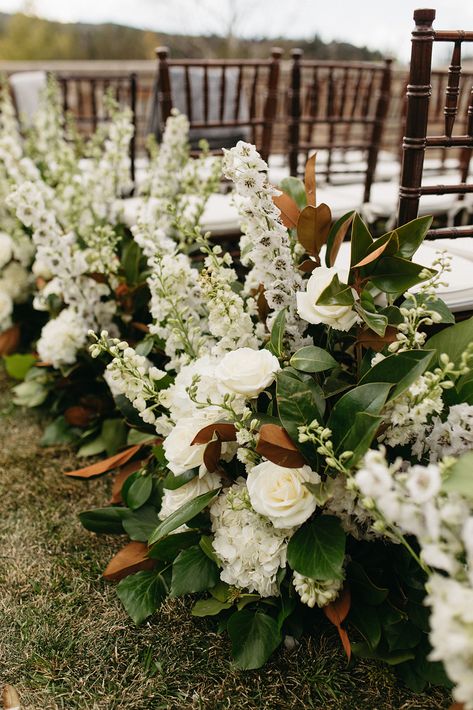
x: 224, y: 100
x: 338, y: 108
x: 457, y: 102
x: 83, y: 97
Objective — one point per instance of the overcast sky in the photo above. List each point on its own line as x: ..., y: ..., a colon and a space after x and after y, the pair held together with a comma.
x: 379, y: 24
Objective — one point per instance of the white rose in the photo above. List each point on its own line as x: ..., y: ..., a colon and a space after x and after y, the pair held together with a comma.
x: 173, y: 500
x: 338, y: 317
x: 181, y: 454
x: 246, y: 371
x: 6, y: 249
x: 279, y: 493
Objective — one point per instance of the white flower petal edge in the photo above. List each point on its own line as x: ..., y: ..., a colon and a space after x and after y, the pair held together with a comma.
x: 338, y: 317
x: 246, y: 371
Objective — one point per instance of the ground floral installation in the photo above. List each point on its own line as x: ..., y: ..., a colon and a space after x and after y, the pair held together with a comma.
x: 299, y: 444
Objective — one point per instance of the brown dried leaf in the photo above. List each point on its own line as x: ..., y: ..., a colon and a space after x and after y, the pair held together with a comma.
x: 313, y: 227
x: 369, y: 339
x: 308, y: 265
x: 373, y: 256
x: 309, y: 180
x: 457, y: 706
x: 131, y: 558
x: 10, y: 698
x: 96, y: 469
x: 124, y: 473
x: 288, y: 208
x: 212, y: 455
x: 275, y: 444
x: 262, y: 304
x: 9, y: 340
x: 140, y: 326
x: 337, y: 612
x: 79, y: 416
x: 339, y: 237
x: 222, y: 430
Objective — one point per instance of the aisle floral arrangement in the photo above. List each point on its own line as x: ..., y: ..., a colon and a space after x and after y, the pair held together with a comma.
x: 302, y: 440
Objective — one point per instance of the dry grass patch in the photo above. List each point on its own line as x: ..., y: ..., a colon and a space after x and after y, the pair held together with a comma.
x: 66, y: 642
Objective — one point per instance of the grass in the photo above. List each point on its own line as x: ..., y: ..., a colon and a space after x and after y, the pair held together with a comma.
x: 65, y: 641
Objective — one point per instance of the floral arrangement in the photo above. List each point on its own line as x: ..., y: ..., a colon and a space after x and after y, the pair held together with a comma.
x: 301, y: 441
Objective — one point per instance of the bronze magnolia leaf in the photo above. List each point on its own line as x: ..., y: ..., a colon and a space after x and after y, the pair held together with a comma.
x: 212, y: 455
x: 130, y: 559
x: 9, y: 340
x: 310, y: 181
x: 288, y: 208
x: 222, y: 430
x: 275, y: 444
x: 79, y: 416
x: 338, y: 239
x: 96, y: 469
x: 308, y: 265
x: 369, y: 339
x: 313, y: 227
x: 124, y: 473
x: 373, y: 256
x: 337, y: 612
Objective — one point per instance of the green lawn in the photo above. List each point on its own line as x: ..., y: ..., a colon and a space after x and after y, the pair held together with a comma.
x: 65, y: 641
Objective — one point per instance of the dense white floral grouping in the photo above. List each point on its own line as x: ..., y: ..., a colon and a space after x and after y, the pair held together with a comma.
x: 314, y: 592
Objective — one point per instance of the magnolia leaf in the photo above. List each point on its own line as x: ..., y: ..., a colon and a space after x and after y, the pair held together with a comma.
x: 114, y: 435
x: 452, y: 341
x: 92, y: 448
x: 275, y: 444
x: 104, y: 520
x: 399, y: 369
x: 288, y: 209
x: 122, y: 475
x: 360, y: 436
x: 372, y: 255
x: 309, y: 180
x: 374, y: 320
x: 10, y: 340
x: 294, y: 187
x: 254, y: 636
x: 336, y: 237
x: 173, y: 482
x: 206, y: 545
x: 137, y: 489
x: 336, y: 294
x: 142, y: 593
x: 96, y: 469
x: 185, y: 513
x: 313, y: 228
x: 193, y: 571
x: 368, y: 398
x: 130, y: 559
x: 312, y: 359
x: 368, y: 339
x: 308, y: 265
x: 395, y: 275
x: 300, y: 401
x: 169, y: 547
x: 336, y: 612
x: 277, y: 333
x: 79, y: 416
x: 412, y: 234
x: 212, y: 454
x: 317, y: 549
x: 223, y: 430
x: 361, y: 240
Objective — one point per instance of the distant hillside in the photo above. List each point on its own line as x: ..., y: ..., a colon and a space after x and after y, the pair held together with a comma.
x: 24, y: 37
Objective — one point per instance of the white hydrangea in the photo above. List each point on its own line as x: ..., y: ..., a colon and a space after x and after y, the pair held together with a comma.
x: 61, y: 338
x: 175, y: 499
x: 250, y: 549
x: 6, y: 310
x: 6, y: 249
x: 15, y: 281
x: 314, y: 592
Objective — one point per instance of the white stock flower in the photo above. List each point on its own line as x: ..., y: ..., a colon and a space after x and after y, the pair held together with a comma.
x: 315, y: 592
x: 246, y: 371
x: 250, y: 549
x: 15, y: 281
x: 423, y: 482
x: 175, y: 499
x: 280, y: 494
x: 6, y: 309
x: 338, y: 317
x: 6, y: 249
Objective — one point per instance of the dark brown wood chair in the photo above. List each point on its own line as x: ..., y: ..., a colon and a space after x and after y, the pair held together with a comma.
x: 339, y: 109
x: 456, y: 98
x: 224, y: 100
x: 83, y: 97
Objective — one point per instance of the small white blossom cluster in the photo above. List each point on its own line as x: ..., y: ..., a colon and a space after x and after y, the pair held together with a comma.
x: 250, y: 549
x: 314, y: 592
x: 15, y: 254
x: 453, y: 436
x: 265, y: 245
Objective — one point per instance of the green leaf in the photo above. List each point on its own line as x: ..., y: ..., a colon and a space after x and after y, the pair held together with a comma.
x: 317, y: 549
x: 312, y: 359
x: 402, y: 636
x: 295, y: 188
x: 139, y: 437
x: 395, y: 275
x: 399, y: 369
x: 131, y: 415
x: 376, y: 321
x: 437, y: 305
x: 245, y: 599
x: 141, y: 594
x: 412, y: 234
x: 360, y: 436
x: 173, y: 482
x: 336, y: 294
x: 361, y: 240
x: 368, y: 398
x: 114, y: 435
x: 254, y: 637
x: 366, y: 621
x: 17, y: 365
x: 58, y: 432
x: 362, y: 650
x: 452, y: 341
x: 460, y: 477
x: 169, y: 547
x: 207, y: 547
x: 137, y: 489
x: 193, y: 571
x: 209, y: 607
x: 139, y: 524
x: 131, y: 261
x: 337, y: 233
x: 277, y: 333
x: 104, y: 520
x: 30, y: 394
x: 363, y: 588
x: 91, y: 448
x: 185, y: 513
x: 300, y: 401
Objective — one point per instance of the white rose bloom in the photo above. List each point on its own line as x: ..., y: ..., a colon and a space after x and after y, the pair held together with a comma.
x: 181, y: 454
x: 173, y: 500
x: 280, y: 494
x: 338, y: 317
x: 6, y: 309
x: 6, y: 249
x: 61, y: 338
x: 247, y: 372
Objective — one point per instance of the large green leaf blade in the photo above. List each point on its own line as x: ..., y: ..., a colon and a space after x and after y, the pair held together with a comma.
x: 254, y: 637
x: 104, y: 520
x: 369, y: 398
x: 399, y: 369
x: 183, y: 515
x: 317, y: 549
x: 193, y: 571
x: 452, y: 341
x: 141, y: 594
x: 312, y: 359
